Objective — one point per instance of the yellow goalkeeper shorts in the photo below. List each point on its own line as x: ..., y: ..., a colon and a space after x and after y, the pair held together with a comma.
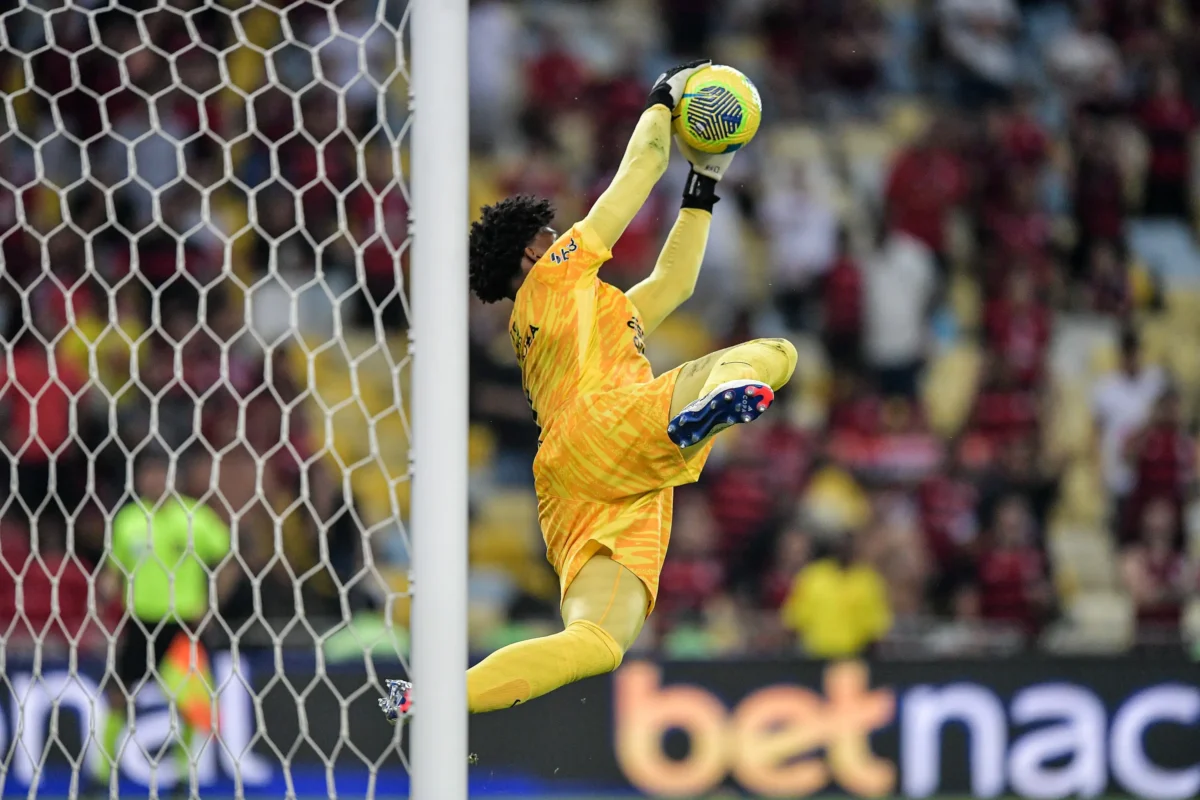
x: 604, y: 477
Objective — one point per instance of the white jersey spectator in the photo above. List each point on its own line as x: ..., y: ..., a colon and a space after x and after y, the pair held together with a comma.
x: 899, y: 282
x: 802, y: 231
x: 1083, y: 60
x: 976, y: 33
x: 1121, y: 403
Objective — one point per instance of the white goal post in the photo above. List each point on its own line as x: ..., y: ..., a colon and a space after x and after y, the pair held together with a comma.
x: 440, y: 391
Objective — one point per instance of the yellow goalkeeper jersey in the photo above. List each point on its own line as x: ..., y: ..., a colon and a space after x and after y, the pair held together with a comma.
x: 573, y: 333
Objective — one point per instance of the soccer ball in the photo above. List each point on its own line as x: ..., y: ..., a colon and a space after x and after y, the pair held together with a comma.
x: 720, y: 110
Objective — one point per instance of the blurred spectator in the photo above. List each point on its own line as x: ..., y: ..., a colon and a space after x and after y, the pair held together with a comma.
x: 802, y: 233
x: 689, y: 24
x: 792, y: 551
x: 1135, y: 25
x: 1020, y: 227
x: 495, y: 31
x: 38, y: 398
x: 1154, y: 571
x: 900, y: 282
x: 1106, y: 288
x: 1086, y: 63
x: 51, y: 586
x: 855, y: 48
x: 1023, y: 139
x: 1121, y: 403
x: 896, y: 547
x: 1018, y: 330
x: 947, y: 502
x: 926, y: 182
x: 977, y: 36
x: 1018, y: 471
x: 750, y: 486
x: 1004, y: 409
x: 838, y: 606
x: 1162, y: 457
x: 1099, y: 193
x: 843, y: 306
x: 695, y: 573
x: 1013, y: 583
x: 497, y: 397
x: 1168, y: 121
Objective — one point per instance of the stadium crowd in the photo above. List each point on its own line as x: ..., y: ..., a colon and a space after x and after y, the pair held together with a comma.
x: 974, y: 219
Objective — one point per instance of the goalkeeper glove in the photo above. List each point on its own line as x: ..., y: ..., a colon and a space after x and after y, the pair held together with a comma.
x: 700, y: 191
x: 668, y: 89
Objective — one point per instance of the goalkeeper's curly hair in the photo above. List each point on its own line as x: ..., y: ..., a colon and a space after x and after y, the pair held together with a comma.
x: 498, y: 242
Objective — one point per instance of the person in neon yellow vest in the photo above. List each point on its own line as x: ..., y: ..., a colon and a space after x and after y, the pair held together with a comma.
x: 164, y: 548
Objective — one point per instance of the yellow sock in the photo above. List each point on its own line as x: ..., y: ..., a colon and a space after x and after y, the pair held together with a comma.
x: 525, y: 670
x: 771, y: 361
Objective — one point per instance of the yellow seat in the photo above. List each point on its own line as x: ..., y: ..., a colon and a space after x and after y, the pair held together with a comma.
x: 681, y: 337
x: 1069, y: 432
x: 1083, y: 498
x: 1102, y: 621
x: 399, y: 593
x: 950, y: 387
x: 965, y: 299
x: 512, y: 508
x: 374, y: 493
x: 1157, y: 335
x: 1083, y: 560
x: 1191, y: 621
x: 481, y: 446
x: 798, y: 144
x: 1184, y: 305
x: 907, y: 120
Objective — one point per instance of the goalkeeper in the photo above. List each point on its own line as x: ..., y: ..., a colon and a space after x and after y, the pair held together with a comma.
x: 614, y: 438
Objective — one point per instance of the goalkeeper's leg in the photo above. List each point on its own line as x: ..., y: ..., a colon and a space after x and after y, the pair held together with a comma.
x: 728, y: 387
x: 603, y: 610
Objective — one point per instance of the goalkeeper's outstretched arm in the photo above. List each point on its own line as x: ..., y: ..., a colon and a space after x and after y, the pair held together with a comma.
x: 645, y: 158
x: 674, y: 277
x: 644, y: 163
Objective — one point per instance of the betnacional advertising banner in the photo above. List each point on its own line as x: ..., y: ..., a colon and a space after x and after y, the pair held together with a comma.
x: 1029, y: 727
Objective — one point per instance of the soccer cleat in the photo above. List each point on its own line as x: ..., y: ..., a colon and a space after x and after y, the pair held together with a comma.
x: 728, y: 404
x: 398, y: 703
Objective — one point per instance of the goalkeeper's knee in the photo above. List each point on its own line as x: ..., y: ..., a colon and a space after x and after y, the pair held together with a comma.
x: 597, y: 652
x: 780, y: 356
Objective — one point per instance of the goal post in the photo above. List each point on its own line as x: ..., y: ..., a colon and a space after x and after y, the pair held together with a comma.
x: 438, y: 747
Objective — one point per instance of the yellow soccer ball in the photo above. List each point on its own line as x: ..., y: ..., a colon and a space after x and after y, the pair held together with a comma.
x: 720, y: 110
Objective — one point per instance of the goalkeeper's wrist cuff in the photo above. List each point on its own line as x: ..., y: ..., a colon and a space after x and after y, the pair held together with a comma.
x: 700, y: 191
x: 660, y: 97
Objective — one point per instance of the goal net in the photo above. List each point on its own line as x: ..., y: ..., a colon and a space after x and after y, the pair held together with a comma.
x: 205, y: 246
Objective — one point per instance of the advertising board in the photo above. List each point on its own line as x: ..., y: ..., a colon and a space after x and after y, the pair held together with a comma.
x: 1031, y: 727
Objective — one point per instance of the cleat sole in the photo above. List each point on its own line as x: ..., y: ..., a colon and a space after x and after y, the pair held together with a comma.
x: 727, y: 405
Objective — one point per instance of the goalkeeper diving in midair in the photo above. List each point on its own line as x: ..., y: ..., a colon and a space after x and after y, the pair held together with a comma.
x: 614, y: 438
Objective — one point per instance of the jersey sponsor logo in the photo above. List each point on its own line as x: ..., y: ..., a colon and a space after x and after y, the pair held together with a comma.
x: 563, y: 254
x: 522, y: 342
x: 639, y: 335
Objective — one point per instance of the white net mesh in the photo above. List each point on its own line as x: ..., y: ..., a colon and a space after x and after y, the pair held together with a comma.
x: 203, y: 229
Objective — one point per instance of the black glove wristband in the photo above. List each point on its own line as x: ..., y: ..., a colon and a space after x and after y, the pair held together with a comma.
x: 660, y: 96
x: 700, y: 191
